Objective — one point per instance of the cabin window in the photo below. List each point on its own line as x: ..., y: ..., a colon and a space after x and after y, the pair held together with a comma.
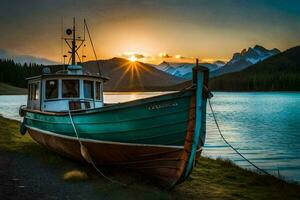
x: 51, y: 89
x: 70, y: 88
x: 98, y: 90
x: 88, y: 89
x: 34, y: 91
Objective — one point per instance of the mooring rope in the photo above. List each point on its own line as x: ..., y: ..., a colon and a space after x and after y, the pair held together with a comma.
x: 234, y: 149
x: 85, y: 154
x: 92, y: 44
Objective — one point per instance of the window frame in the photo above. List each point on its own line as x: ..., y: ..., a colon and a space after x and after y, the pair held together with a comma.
x: 29, y: 91
x: 91, y: 90
x: 98, y: 83
x: 34, y: 90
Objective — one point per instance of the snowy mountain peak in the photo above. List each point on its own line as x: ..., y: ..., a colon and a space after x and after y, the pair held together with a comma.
x: 238, y: 62
x: 253, y: 55
x: 245, y: 58
x: 184, y: 70
x: 260, y: 48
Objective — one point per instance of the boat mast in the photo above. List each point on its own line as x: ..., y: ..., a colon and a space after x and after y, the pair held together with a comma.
x: 73, y: 50
x: 71, y: 42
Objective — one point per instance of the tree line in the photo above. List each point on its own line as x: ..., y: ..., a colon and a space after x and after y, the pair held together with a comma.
x: 15, y: 73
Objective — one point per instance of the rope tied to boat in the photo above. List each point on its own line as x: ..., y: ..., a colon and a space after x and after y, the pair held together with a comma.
x: 86, y: 155
x: 234, y: 149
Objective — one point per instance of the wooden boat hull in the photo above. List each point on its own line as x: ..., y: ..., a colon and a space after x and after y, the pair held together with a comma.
x: 159, y: 136
x: 163, y: 163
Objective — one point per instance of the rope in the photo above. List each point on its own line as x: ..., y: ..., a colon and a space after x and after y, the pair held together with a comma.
x: 91, y: 41
x: 85, y: 154
x: 234, y: 149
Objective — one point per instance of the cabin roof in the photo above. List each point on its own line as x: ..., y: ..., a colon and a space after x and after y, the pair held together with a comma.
x: 43, y: 76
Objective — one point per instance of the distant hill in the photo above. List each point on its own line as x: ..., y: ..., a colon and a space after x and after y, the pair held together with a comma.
x: 123, y: 74
x: 132, y: 76
x: 277, y: 73
x: 6, y: 89
x: 245, y: 59
x: 18, y: 58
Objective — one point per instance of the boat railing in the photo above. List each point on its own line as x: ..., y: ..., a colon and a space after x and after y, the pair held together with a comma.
x: 64, y: 71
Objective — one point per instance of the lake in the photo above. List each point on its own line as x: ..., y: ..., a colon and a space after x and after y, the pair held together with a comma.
x: 263, y: 126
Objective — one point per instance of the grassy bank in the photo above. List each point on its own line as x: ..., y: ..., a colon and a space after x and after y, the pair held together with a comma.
x: 6, y: 89
x: 211, y: 179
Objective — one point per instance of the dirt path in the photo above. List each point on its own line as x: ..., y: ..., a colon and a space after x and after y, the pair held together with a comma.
x: 27, y: 177
x: 22, y: 177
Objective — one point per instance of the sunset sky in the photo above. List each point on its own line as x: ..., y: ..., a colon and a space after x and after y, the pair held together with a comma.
x: 207, y: 29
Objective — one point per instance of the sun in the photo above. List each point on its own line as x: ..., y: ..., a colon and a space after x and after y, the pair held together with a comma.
x: 132, y: 58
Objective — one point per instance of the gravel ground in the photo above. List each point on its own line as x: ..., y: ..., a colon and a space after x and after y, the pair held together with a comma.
x: 25, y: 177
x: 22, y: 177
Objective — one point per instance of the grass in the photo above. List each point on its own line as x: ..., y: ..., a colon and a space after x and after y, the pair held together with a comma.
x: 211, y: 179
x: 6, y: 89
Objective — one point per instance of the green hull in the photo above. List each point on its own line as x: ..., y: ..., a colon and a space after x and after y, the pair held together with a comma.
x: 159, y: 120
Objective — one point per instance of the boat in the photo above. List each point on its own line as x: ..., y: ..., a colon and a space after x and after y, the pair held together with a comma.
x: 161, y: 137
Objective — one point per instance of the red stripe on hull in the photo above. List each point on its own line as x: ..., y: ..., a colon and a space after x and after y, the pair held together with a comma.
x: 162, y: 163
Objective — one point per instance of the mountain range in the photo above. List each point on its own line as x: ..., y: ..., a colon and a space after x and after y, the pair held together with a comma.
x: 238, y: 62
x: 184, y: 70
x: 244, y: 59
x: 132, y: 76
x: 271, y: 71
x: 280, y: 72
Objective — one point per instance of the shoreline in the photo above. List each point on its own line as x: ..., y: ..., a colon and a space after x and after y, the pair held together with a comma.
x: 211, y: 179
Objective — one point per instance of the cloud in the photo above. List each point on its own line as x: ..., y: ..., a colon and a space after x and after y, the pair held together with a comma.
x: 129, y: 55
x: 139, y: 56
x: 164, y: 55
x: 179, y: 56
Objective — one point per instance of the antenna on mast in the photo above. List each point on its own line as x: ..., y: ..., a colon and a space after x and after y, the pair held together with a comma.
x: 71, y: 40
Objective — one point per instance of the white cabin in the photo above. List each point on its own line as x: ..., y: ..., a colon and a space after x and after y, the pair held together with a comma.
x: 61, y: 92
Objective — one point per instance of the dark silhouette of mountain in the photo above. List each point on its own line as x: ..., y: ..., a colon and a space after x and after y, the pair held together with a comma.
x: 245, y: 59
x: 277, y: 73
x: 123, y: 74
x: 17, y: 58
x: 132, y: 76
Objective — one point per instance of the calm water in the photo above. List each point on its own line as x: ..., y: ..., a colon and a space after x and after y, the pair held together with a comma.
x: 265, y: 127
